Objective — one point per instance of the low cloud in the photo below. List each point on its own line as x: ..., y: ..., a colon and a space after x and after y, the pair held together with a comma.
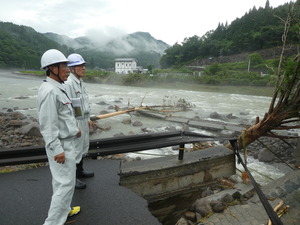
x: 102, y: 36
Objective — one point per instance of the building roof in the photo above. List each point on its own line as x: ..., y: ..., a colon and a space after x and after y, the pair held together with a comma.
x: 125, y: 59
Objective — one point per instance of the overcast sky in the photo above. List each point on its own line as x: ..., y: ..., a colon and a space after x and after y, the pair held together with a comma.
x: 168, y: 20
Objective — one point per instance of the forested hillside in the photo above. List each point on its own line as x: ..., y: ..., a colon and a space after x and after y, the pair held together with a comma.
x: 257, y: 30
x: 140, y: 45
x: 21, y: 47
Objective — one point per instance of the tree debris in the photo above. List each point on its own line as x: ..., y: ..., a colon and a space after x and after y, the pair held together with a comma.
x: 280, y: 210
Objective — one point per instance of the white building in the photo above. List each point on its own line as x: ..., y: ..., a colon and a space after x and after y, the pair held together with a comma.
x: 126, y: 65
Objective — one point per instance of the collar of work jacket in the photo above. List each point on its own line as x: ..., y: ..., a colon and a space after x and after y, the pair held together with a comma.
x: 56, y: 84
x: 73, y: 77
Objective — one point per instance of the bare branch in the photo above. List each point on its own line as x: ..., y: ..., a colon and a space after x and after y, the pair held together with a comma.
x: 281, y: 78
x: 281, y: 136
x: 286, y: 127
x: 143, y: 99
x: 290, y: 121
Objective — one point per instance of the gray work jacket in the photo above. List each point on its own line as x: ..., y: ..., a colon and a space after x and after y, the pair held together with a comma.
x: 55, y: 113
x: 76, y: 88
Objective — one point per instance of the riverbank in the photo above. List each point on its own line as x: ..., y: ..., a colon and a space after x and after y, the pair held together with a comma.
x: 116, y: 79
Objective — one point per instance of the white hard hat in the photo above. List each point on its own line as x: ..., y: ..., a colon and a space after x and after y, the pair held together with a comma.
x: 52, y: 56
x: 75, y: 60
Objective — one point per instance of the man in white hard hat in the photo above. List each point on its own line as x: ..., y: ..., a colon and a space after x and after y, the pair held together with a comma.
x: 76, y: 89
x: 59, y: 130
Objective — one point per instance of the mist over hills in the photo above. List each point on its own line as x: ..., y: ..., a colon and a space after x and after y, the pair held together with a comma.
x: 140, y: 45
x: 121, y: 45
x: 21, y: 47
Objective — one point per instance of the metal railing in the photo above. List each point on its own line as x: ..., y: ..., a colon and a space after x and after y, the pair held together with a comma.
x: 111, y: 146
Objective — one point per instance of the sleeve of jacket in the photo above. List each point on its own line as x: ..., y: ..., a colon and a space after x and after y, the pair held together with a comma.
x: 48, y: 118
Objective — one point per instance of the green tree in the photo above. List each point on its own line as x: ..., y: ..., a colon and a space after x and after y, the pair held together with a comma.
x: 172, y: 56
x: 213, y: 69
x: 284, y: 109
x: 150, y: 68
x: 255, y: 59
x: 257, y: 29
x: 191, y: 48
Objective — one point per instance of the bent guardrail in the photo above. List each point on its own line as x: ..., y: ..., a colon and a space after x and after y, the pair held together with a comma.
x: 111, y: 146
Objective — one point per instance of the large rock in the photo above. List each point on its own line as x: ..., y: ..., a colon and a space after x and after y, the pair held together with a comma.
x: 265, y: 155
x: 16, y: 116
x: 203, y: 207
x: 15, y: 123
x: 31, y: 129
x: 218, y: 116
x: 217, y: 205
x: 226, y: 198
x: 137, y: 124
x: 126, y: 121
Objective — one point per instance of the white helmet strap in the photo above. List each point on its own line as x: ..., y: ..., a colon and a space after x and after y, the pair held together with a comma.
x: 73, y: 70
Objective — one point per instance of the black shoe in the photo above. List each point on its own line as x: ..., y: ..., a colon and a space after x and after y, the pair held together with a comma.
x: 85, y: 174
x: 79, y: 184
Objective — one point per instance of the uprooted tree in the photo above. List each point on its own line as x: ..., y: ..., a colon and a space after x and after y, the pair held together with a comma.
x: 284, y: 109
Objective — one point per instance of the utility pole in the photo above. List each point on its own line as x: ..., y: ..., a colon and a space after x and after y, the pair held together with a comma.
x: 249, y: 65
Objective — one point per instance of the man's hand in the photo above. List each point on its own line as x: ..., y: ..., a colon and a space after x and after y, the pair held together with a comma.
x: 78, y: 134
x: 60, y: 158
x: 91, y: 124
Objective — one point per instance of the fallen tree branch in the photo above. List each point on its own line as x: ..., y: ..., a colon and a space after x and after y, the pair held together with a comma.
x: 93, y: 118
x: 291, y: 121
x: 286, y: 127
x: 280, y: 210
x: 123, y: 111
x: 276, y: 209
